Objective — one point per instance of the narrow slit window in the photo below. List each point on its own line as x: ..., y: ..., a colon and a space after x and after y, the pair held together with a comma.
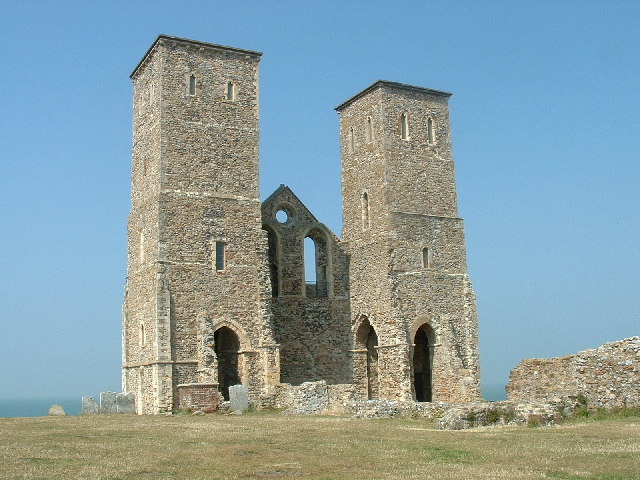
x: 220, y: 260
x: 351, y: 140
x: 365, y: 210
x: 431, y: 134
x: 426, y: 258
x: 192, y: 84
x: 231, y: 91
x: 368, y: 130
x: 143, y: 338
x: 404, y: 126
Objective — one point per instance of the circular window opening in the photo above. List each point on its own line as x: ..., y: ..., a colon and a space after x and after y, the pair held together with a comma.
x: 282, y: 216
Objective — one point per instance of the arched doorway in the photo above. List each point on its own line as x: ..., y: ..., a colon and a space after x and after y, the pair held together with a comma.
x: 226, y: 347
x: 423, y: 363
x: 367, y: 341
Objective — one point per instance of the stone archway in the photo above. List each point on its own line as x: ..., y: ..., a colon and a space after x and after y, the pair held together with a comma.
x: 227, y: 348
x: 423, y: 341
x: 367, y: 363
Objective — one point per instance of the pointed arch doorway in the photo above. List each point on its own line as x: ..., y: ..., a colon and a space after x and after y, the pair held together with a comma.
x: 423, y: 341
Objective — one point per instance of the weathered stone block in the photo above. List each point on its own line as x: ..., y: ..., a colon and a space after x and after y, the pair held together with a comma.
x: 238, y: 398
x: 89, y: 406
x: 126, y: 403
x: 108, y: 402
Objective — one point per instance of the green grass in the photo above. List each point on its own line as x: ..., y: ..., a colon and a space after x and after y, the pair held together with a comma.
x: 267, y: 445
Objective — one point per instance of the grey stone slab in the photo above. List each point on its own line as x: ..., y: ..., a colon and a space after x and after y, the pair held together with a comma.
x: 89, y: 406
x: 108, y: 402
x: 238, y: 398
x: 126, y: 403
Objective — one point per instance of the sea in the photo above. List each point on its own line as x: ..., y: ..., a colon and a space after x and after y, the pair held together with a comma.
x: 37, y: 407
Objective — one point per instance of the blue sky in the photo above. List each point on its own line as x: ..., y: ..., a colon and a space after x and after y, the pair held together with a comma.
x: 545, y: 121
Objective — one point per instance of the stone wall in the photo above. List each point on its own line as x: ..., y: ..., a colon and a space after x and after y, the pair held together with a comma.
x: 607, y: 376
x: 310, y: 318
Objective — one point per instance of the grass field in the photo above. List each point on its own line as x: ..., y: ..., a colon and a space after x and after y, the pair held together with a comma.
x: 268, y: 446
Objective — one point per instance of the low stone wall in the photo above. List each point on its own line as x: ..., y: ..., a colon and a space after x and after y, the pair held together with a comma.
x: 319, y: 398
x: 607, y: 376
x: 198, y: 397
x: 110, y: 402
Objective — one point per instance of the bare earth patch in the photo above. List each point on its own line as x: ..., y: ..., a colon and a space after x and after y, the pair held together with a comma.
x: 274, y: 446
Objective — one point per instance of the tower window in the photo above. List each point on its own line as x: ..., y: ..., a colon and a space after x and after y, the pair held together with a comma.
x: 426, y: 258
x: 404, y: 126
x: 431, y: 133
x: 192, y: 84
x: 365, y: 210
x: 220, y: 260
x: 143, y: 338
x: 368, y: 131
x: 231, y: 91
x: 351, y: 140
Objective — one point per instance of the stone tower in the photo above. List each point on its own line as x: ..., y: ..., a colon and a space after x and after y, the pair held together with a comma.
x: 412, y: 307
x: 195, y: 315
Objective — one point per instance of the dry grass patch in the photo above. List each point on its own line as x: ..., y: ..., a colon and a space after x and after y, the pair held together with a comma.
x: 292, y: 447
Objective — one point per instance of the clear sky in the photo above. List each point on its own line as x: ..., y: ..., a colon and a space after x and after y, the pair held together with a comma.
x: 545, y: 130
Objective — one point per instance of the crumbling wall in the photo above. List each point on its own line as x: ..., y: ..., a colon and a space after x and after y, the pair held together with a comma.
x: 310, y: 319
x: 607, y: 376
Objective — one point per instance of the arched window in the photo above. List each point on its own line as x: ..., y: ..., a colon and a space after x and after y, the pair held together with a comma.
x: 351, y: 140
x: 143, y: 338
x: 426, y: 257
x: 364, y: 200
x: 316, y: 264
x: 404, y: 126
x: 231, y: 91
x: 366, y: 363
x: 368, y: 130
x: 431, y: 132
x: 192, y: 84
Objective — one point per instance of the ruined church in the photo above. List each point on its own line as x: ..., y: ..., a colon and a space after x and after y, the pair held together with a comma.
x: 215, y: 290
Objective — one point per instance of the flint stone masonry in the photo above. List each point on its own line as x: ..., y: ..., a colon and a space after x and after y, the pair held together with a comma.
x: 216, y: 292
x: 238, y: 398
x: 89, y: 406
x: 607, y: 376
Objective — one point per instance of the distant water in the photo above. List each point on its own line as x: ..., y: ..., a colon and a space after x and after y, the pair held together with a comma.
x: 493, y: 392
x: 37, y: 407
